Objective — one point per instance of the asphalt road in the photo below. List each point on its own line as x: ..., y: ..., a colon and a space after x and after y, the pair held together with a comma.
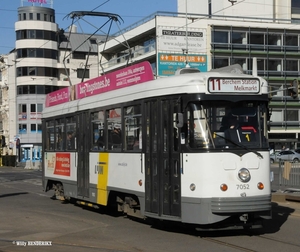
x: 31, y: 221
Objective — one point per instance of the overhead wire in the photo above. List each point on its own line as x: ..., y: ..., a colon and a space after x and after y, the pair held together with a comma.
x: 127, y: 45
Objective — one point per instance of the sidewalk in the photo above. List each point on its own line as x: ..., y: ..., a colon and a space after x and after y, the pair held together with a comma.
x: 289, y: 199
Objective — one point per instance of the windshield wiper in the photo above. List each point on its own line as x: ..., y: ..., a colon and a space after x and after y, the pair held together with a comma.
x: 240, y: 145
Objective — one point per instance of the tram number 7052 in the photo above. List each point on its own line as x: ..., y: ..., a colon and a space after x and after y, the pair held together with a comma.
x: 243, y: 186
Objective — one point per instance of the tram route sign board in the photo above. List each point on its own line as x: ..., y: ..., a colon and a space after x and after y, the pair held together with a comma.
x: 233, y: 85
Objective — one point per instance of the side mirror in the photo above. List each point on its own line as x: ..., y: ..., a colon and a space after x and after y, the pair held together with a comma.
x: 179, y: 120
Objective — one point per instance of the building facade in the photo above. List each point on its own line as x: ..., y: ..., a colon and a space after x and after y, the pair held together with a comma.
x: 45, y: 59
x: 219, y: 34
x: 203, y: 34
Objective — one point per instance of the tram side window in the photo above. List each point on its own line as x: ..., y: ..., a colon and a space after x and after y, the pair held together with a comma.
x: 114, y: 129
x: 133, y: 128
x: 59, y: 129
x: 175, y: 132
x: 70, y: 136
x: 50, y: 139
x: 197, y: 130
x: 98, y: 136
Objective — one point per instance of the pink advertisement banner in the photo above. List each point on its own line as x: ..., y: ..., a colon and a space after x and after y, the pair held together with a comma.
x: 125, y: 77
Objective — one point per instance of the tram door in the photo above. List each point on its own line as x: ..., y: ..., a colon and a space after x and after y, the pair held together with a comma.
x: 82, y: 139
x: 162, y: 160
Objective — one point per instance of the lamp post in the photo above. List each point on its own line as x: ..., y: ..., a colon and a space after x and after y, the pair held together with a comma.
x: 18, y: 148
x: 186, y: 51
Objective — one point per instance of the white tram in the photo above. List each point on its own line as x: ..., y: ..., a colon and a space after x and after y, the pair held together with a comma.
x: 190, y: 148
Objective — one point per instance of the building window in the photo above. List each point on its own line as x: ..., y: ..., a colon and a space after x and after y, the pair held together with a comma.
x: 281, y: 116
x: 38, y: 16
x: 30, y: 16
x: 291, y: 65
x: 32, y: 89
x: 256, y: 39
x: 32, y: 71
x: 39, y: 128
x: 36, y: 34
x: 78, y: 55
x: 39, y: 108
x: 238, y: 38
x: 292, y: 115
x: 291, y: 42
x: 275, y: 65
x: 80, y: 73
x: 33, y: 128
x: 220, y: 62
x: 22, y: 128
x: 32, y: 108
x: 93, y: 41
x: 22, y: 112
x: 40, y: 89
x: 275, y: 42
x: 37, y: 71
x: 220, y: 37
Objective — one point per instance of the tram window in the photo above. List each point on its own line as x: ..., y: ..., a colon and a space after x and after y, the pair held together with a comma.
x: 50, y: 139
x: 198, y: 135
x: 209, y: 125
x: 175, y: 132
x: 98, y: 137
x: 133, y: 128
x: 114, y: 129
x: 70, y: 134
x: 59, y: 129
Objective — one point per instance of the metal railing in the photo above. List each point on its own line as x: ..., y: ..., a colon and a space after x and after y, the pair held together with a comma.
x: 289, y: 175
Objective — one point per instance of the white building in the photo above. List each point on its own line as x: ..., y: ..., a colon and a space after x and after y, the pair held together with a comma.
x: 45, y: 59
x: 204, y: 34
x: 222, y: 33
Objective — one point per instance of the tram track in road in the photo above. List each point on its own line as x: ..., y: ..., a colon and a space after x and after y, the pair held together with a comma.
x: 241, y: 248
x: 226, y: 244
x: 247, y: 249
x: 280, y: 241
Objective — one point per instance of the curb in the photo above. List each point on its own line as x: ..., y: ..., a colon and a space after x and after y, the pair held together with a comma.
x: 283, y: 197
x: 289, y: 200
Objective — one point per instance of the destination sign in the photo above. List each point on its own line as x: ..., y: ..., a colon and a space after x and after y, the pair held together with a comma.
x: 228, y: 85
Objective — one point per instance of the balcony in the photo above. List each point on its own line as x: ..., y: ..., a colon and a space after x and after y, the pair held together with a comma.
x: 135, y: 55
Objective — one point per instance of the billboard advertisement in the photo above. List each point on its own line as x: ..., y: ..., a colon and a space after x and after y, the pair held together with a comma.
x: 167, y: 64
x: 177, y: 39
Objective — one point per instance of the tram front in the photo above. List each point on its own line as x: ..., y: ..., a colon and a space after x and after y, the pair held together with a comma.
x: 225, y: 155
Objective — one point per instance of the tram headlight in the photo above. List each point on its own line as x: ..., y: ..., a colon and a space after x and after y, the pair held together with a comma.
x: 244, y: 175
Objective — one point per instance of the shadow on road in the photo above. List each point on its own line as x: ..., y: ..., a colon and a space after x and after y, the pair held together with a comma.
x: 12, y: 194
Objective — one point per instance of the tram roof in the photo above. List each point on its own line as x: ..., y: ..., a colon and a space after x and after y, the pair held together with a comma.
x: 164, y: 86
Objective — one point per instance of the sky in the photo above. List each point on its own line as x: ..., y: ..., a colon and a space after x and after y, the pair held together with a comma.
x: 130, y: 11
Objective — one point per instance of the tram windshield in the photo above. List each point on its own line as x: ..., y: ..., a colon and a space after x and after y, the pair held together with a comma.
x: 226, y: 124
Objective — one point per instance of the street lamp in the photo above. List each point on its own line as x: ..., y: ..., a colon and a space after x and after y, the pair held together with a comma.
x: 18, y: 150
